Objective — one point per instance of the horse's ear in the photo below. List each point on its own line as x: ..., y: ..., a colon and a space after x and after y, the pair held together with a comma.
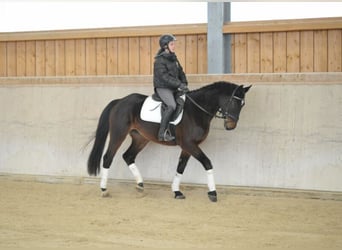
x: 247, y: 88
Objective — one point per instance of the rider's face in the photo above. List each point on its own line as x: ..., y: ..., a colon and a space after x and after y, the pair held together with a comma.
x: 172, y: 46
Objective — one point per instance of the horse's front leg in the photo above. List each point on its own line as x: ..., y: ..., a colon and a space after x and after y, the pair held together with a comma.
x: 201, y: 157
x: 183, y: 160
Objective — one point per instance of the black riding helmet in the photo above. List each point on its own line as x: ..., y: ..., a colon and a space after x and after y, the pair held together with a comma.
x: 165, y: 39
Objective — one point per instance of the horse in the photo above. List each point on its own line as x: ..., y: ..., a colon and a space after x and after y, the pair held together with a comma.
x: 122, y: 117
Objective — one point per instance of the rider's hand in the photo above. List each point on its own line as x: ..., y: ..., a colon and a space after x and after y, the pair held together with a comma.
x: 183, y: 88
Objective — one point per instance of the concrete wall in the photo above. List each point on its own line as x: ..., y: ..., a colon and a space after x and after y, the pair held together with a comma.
x: 289, y: 135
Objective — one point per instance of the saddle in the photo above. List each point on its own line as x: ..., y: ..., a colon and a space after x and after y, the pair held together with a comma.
x: 152, y: 108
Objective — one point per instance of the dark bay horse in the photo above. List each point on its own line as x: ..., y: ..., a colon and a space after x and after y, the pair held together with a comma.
x: 122, y: 116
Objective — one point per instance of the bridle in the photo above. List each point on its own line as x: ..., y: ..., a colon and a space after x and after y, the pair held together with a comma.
x: 221, y: 114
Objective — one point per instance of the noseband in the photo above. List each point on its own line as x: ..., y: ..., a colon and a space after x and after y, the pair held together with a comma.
x: 221, y: 115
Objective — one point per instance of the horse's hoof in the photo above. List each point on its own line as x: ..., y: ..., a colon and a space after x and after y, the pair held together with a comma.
x: 140, y: 187
x: 179, y: 195
x: 212, y: 196
x: 105, y: 193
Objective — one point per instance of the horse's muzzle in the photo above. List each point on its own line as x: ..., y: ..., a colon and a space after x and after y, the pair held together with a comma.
x: 229, y: 123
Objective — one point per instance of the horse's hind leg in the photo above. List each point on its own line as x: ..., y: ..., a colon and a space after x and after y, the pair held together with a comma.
x: 138, y: 143
x: 117, y: 136
x: 183, y: 160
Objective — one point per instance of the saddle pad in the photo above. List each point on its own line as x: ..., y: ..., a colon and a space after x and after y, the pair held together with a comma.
x: 150, y: 111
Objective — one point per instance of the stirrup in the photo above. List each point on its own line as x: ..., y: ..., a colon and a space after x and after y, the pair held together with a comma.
x: 166, y: 136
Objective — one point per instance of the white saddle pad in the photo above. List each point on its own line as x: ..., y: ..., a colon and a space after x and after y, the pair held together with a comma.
x: 150, y: 111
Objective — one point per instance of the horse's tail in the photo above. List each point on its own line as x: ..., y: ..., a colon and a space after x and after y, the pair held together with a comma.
x: 100, y: 140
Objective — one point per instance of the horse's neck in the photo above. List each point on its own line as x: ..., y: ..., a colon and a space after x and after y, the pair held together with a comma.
x: 209, y: 102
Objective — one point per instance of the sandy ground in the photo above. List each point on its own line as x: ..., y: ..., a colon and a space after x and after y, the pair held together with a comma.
x: 35, y: 214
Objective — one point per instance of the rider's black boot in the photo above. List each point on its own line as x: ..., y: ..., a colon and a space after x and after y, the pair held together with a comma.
x: 164, y: 133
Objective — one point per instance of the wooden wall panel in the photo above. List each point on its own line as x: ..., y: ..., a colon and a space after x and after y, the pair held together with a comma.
x: 191, y: 59
x: 133, y: 56
x: 80, y: 56
x: 145, y: 55
x: 253, y: 53
x: 101, y: 56
x: 40, y: 58
x: 90, y: 54
x: 181, y: 52
x: 279, y: 52
x: 334, y: 50
x: 306, y: 51
x: 240, y: 53
x: 11, y: 59
x: 70, y: 57
x: 60, y: 57
x: 50, y: 57
x: 266, y: 52
x: 112, y: 56
x: 308, y: 45
x: 21, y: 58
x: 293, y: 51
x: 123, y: 62
x: 202, y: 59
x: 320, y: 51
x: 30, y: 62
x: 154, y: 49
x: 3, y: 59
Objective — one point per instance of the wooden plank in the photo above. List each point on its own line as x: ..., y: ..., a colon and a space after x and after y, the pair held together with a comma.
x: 60, y: 57
x: 283, y: 25
x: 232, y: 52
x: 292, y: 52
x: 320, y: 51
x: 154, y: 49
x: 123, y: 65
x: 181, y: 52
x: 279, y: 52
x: 90, y: 56
x: 266, y: 52
x: 191, y: 54
x: 112, y: 56
x: 145, y: 56
x: 11, y: 59
x: 306, y: 51
x: 21, y: 58
x: 40, y: 58
x: 133, y: 56
x: 240, y: 53
x: 70, y: 58
x: 101, y: 56
x: 3, y: 59
x: 30, y: 58
x: 80, y: 56
x: 119, y: 32
x: 334, y: 50
x: 50, y: 57
x: 253, y: 53
x: 202, y: 64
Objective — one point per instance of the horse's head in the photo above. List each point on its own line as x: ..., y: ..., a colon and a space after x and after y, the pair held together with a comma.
x: 231, y: 106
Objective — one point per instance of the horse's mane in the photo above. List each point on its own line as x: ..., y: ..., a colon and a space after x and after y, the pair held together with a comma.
x: 221, y: 86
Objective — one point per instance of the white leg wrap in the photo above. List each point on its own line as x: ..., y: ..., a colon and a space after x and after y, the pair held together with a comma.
x: 211, y: 181
x: 176, y: 182
x: 136, y: 173
x: 104, y: 178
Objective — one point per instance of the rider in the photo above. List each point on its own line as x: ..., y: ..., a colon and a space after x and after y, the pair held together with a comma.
x: 168, y: 78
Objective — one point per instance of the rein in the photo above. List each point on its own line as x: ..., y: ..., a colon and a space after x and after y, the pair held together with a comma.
x: 204, y: 110
x: 220, y: 116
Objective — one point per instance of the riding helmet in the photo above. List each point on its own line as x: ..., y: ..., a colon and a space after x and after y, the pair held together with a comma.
x: 165, y: 39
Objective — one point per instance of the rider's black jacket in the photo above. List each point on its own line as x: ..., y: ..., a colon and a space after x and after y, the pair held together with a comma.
x: 168, y: 73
